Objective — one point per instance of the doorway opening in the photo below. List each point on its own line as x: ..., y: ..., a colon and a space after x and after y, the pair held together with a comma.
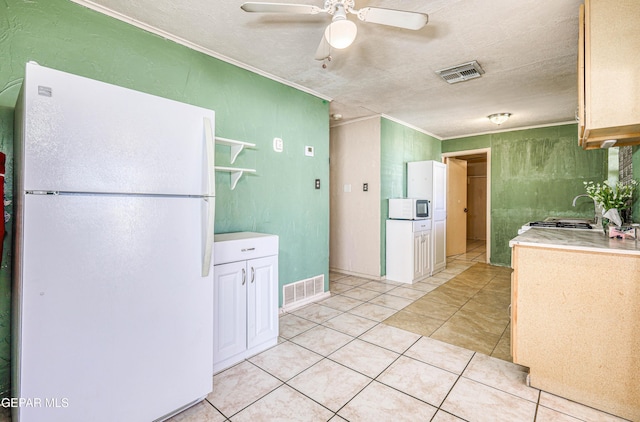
x: 469, y: 205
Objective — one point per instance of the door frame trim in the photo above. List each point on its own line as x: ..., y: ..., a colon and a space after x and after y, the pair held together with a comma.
x: 487, y: 151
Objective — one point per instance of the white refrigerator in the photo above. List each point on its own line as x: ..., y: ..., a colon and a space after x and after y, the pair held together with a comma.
x: 428, y: 179
x: 113, y: 284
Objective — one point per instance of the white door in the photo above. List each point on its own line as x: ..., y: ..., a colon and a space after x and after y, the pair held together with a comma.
x: 229, y: 310
x: 88, y: 136
x: 115, y: 315
x: 262, y: 300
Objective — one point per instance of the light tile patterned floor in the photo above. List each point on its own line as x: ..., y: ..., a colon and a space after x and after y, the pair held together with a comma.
x: 344, y: 359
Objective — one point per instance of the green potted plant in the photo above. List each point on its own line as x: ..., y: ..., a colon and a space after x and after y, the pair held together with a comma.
x: 611, y: 199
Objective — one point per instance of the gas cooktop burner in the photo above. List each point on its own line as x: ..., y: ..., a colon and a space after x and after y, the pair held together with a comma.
x: 560, y: 225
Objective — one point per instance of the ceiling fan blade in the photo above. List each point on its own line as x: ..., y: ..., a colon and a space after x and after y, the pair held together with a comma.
x: 391, y: 17
x: 299, y: 9
x: 324, y: 49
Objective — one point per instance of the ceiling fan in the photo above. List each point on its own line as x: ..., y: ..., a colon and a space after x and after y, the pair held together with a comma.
x: 341, y: 32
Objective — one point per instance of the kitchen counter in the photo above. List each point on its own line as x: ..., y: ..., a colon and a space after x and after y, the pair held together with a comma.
x: 575, y: 301
x: 577, y: 240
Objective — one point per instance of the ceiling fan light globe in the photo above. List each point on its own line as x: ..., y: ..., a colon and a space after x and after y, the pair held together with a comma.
x: 341, y: 33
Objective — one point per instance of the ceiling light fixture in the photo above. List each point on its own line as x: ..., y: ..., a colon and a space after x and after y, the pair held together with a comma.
x: 341, y: 32
x: 499, y: 118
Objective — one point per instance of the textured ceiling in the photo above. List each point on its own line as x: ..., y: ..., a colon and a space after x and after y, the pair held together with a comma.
x: 528, y: 49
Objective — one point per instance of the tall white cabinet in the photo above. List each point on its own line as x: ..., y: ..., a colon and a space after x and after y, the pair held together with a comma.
x: 428, y: 179
x: 245, y: 296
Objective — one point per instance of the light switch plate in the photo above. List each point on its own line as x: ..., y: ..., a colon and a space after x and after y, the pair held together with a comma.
x: 278, y: 145
x: 308, y: 151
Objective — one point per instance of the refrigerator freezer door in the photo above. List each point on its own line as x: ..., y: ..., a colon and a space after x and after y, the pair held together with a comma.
x: 116, y: 317
x: 82, y: 135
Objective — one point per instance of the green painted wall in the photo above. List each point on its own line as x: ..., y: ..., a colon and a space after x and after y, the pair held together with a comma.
x: 535, y: 173
x: 399, y: 144
x: 280, y: 198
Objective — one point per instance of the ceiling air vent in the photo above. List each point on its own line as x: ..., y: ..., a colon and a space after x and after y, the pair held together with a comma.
x: 461, y: 72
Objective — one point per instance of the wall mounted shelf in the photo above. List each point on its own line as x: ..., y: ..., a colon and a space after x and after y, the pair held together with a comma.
x: 236, y: 173
x: 236, y: 146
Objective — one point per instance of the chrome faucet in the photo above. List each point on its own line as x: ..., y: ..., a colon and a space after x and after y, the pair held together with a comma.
x: 576, y: 198
x: 595, y: 208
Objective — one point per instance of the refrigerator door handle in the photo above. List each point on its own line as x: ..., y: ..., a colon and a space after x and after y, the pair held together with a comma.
x: 208, y: 244
x: 210, y: 146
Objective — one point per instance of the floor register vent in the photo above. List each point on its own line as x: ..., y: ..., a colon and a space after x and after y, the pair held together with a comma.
x: 301, y: 292
x: 462, y: 72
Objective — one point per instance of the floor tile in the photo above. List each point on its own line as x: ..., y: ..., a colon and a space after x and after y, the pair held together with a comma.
x: 503, y: 348
x: 373, y: 312
x: 316, y: 313
x: 416, y: 323
x: 378, y: 402
x: 285, y: 360
x: 330, y: 384
x: 442, y: 416
x: 239, y: 386
x: 462, y: 335
x: 480, y: 321
x: 406, y: 292
x: 474, y: 401
x: 350, y: 324
x: 322, y: 340
x: 364, y: 357
x: 342, y: 303
x: 576, y: 410
x: 392, y: 338
x: 442, y: 355
x: 545, y: 414
x: 354, y: 281
x: 505, y: 376
x: 419, y: 379
x: 284, y: 404
x: 425, y: 285
x: 201, y: 412
x: 391, y: 301
x: 428, y: 307
x: 333, y: 275
x: 447, y: 296
x: 378, y: 286
x: 291, y: 325
x: 337, y: 287
x: 361, y: 293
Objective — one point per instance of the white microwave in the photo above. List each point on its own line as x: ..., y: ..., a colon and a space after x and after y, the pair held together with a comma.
x: 409, y: 209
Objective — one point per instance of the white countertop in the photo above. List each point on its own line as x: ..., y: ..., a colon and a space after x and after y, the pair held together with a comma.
x: 579, y: 240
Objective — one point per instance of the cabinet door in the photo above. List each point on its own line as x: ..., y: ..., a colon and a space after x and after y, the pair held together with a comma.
x: 425, y: 254
x: 439, y: 237
x: 417, y: 255
x: 262, y: 300
x: 229, y: 310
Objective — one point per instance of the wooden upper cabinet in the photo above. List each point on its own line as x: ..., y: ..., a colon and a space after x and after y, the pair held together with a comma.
x: 609, y: 73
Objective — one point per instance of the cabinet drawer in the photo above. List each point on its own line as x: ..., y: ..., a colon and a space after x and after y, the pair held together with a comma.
x: 232, y: 247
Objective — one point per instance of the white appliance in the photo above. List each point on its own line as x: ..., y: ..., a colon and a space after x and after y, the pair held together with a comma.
x: 408, y: 208
x: 428, y: 179
x: 408, y: 251
x: 113, y: 280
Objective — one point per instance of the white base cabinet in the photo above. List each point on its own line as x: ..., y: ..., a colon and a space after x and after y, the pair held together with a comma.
x: 245, y: 296
x: 408, y: 250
